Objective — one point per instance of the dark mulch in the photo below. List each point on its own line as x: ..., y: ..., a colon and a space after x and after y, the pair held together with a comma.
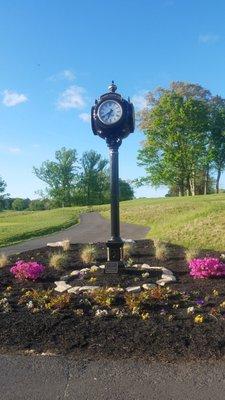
x: 64, y: 332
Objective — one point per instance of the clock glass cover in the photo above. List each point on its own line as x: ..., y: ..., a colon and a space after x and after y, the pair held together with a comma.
x: 109, y: 112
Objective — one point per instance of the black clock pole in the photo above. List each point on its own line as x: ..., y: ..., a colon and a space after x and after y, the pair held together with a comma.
x: 112, y: 118
x: 115, y: 244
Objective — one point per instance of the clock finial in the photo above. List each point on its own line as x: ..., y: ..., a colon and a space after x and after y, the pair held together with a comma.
x: 112, y: 88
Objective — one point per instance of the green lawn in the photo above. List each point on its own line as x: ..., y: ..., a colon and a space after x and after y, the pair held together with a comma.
x: 193, y: 222
x: 197, y: 222
x: 16, y: 225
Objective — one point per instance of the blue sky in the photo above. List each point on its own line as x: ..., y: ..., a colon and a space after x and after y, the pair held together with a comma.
x: 57, y: 56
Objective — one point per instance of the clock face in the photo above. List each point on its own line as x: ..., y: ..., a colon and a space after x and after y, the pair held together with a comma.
x: 110, y: 112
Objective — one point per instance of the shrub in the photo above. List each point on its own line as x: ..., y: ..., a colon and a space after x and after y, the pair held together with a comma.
x: 206, y: 268
x: 190, y: 254
x: 37, y: 205
x: 66, y: 244
x: 127, y: 251
x: 57, y: 260
x: 23, y: 270
x: 88, y: 254
x: 3, y: 260
x: 19, y: 204
x: 162, y: 251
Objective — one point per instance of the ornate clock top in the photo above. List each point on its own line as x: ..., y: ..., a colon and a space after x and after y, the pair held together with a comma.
x: 112, y: 88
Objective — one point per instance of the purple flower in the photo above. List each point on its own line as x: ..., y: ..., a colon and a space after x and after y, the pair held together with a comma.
x: 206, y: 268
x: 27, y: 270
x: 200, y: 302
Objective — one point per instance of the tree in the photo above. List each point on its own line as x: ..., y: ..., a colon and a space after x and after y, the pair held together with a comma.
x: 217, y: 138
x: 2, y: 195
x: 60, y: 176
x: 176, y: 126
x: 126, y: 191
x: 92, y: 178
x: 19, y: 204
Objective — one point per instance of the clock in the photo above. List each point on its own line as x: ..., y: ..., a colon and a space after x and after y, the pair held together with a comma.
x: 109, y: 112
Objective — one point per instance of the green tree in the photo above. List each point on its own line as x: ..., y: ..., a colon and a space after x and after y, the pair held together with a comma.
x: 176, y: 127
x: 126, y: 191
x: 92, y: 183
x: 217, y: 137
x: 2, y: 195
x: 19, y: 204
x: 60, y: 176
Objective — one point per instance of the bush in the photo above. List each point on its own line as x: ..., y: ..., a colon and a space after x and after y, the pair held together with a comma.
x: 88, y: 254
x: 37, y: 205
x: 23, y: 270
x: 162, y: 251
x: 58, y: 260
x: 206, y: 268
x: 190, y: 254
x: 3, y: 260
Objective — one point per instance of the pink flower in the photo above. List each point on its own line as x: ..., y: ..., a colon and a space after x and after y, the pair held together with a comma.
x: 27, y: 270
x: 206, y: 268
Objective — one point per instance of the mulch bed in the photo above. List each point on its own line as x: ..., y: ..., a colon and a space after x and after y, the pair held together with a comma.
x: 170, y: 333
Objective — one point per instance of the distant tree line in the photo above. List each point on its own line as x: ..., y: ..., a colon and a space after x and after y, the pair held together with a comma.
x: 70, y: 181
x: 184, y: 146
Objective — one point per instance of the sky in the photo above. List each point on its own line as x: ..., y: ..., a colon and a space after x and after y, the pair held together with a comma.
x: 58, y: 56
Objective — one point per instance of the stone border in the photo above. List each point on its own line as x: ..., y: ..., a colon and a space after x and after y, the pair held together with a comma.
x: 63, y: 286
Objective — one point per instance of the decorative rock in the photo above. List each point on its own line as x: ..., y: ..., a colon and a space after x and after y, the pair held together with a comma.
x: 75, y: 273
x: 95, y: 269
x: 65, y: 278
x: 133, y: 289
x: 88, y: 288
x: 102, y: 267
x: 56, y: 244
x: 145, y: 275
x: 145, y: 266
x: 167, y: 279
x: 167, y: 271
x: 61, y: 286
x: 74, y: 289
x: 148, y: 286
x: 85, y: 271
x: 128, y: 240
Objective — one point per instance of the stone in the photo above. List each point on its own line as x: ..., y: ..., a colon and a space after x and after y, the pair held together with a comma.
x: 95, y: 269
x: 56, y: 244
x: 102, y: 267
x: 88, y: 288
x: 145, y: 267
x: 85, y: 271
x: 169, y: 278
x: 167, y: 271
x: 61, y: 286
x: 65, y: 278
x: 166, y: 279
x: 128, y: 240
x: 75, y: 273
x: 133, y: 289
x: 74, y: 289
x: 148, y: 286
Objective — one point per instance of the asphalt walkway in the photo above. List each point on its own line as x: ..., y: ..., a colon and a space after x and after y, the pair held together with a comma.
x: 60, y: 378
x: 91, y: 229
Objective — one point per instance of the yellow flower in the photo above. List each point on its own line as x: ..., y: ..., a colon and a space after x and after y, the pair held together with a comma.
x: 222, y: 304
x: 215, y: 293
x: 199, y: 319
x: 92, y: 280
x: 8, y: 288
x: 145, y: 316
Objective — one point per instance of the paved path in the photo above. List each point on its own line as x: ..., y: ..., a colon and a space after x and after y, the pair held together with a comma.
x: 92, y: 228
x: 59, y: 378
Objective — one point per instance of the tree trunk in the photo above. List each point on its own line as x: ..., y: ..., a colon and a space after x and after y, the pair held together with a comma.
x: 206, y: 182
x: 218, y: 180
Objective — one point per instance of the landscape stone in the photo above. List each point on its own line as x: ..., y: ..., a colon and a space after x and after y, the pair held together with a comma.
x: 169, y: 278
x: 148, y: 286
x: 61, y: 286
x: 74, y: 289
x: 88, y: 288
x: 65, y: 278
x: 75, y: 273
x: 85, y: 270
x: 167, y: 271
x: 145, y: 266
x: 133, y: 289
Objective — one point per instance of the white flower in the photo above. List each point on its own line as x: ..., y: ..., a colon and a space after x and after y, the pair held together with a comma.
x: 190, y: 310
x: 101, y: 313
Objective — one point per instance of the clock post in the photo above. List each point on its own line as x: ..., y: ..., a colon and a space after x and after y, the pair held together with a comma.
x: 112, y: 119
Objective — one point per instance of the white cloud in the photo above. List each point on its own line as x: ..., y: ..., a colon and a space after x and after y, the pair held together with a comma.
x: 14, y: 150
x: 11, y: 98
x: 85, y: 117
x: 139, y: 100
x: 208, y: 38
x: 66, y: 74
x: 73, y: 97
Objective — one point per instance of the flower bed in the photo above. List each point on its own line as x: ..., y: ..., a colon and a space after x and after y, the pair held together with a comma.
x: 183, y: 319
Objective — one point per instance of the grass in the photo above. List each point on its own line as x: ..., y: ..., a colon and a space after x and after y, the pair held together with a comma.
x: 16, y: 226
x: 192, y: 222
